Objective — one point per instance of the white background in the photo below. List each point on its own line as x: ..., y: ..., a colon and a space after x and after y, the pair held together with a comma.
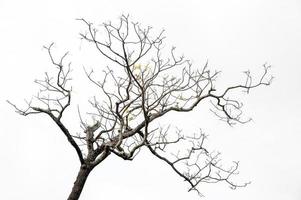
x: 37, y: 163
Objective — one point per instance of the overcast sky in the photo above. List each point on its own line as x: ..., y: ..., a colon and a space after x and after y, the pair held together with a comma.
x: 38, y: 163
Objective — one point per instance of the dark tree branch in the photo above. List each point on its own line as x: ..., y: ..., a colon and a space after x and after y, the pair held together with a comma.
x: 55, y: 97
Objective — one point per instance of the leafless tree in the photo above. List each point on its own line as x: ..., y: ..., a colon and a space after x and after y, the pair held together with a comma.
x: 144, y: 83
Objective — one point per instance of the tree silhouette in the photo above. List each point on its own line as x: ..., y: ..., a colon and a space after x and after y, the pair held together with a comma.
x: 144, y: 83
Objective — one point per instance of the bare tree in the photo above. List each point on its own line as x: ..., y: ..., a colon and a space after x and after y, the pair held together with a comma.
x: 144, y: 83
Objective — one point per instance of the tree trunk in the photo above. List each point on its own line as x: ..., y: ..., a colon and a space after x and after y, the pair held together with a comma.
x: 80, y: 182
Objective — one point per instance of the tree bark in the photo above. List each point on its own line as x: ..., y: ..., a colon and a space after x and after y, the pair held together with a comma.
x: 80, y: 182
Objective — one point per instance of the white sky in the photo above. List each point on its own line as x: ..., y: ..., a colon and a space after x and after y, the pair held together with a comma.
x: 37, y: 162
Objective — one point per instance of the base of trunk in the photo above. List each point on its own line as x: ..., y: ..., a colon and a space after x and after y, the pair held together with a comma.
x: 79, y: 182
